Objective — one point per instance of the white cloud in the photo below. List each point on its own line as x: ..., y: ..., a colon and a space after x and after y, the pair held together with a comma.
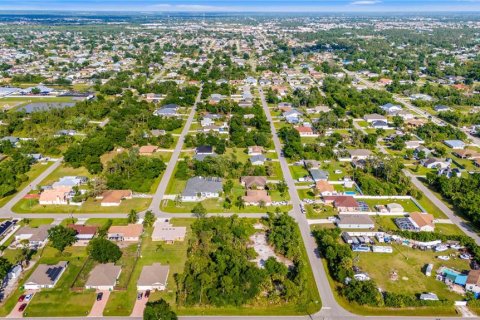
x: 364, y: 2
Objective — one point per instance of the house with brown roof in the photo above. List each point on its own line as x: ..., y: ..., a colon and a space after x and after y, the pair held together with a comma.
x: 147, y: 150
x: 103, y: 277
x: 254, y: 182
x: 130, y: 232
x: 255, y: 150
x: 324, y: 188
x: 153, y: 277
x: 422, y: 221
x: 164, y: 231
x: 83, y: 232
x: 256, y: 197
x: 305, y: 131
x: 113, y: 198
x: 467, y: 154
x: 343, y: 203
x: 473, y: 281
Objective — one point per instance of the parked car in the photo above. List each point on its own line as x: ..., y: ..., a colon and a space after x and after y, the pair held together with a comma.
x: 465, y: 256
x: 99, y: 296
x: 21, y: 298
x: 140, y: 296
x: 445, y: 258
x: 147, y: 293
x: 28, y: 297
x: 22, y: 307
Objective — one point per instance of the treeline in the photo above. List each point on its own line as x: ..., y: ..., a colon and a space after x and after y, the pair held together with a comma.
x: 461, y: 191
x: 13, y: 173
x: 432, y: 132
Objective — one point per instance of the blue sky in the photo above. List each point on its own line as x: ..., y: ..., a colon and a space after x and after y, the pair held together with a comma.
x: 245, y: 5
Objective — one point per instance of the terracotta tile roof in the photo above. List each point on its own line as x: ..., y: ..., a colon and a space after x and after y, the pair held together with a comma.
x: 147, y: 149
x: 83, y: 229
x: 324, y: 186
x: 115, y: 196
x: 422, y: 219
x: 129, y: 231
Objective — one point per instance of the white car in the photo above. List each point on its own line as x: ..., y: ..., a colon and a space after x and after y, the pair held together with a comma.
x: 28, y: 297
x: 465, y: 256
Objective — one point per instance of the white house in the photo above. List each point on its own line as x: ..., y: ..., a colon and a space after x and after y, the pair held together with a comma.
x: 153, y: 277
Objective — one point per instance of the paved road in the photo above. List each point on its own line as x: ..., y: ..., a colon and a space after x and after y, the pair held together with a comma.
x: 459, y: 221
x: 330, y: 307
x: 6, y: 210
x: 157, y: 198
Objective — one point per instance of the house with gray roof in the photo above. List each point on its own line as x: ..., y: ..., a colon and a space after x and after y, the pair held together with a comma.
x: 103, y: 277
x: 200, y: 188
x: 258, y: 160
x: 45, y: 276
x: 153, y: 277
x: 318, y: 175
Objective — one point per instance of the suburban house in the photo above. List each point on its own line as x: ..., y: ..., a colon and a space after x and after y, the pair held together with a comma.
x: 258, y: 160
x: 37, y: 237
x: 103, y: 277
x: 153, y: 277
x: 69, y: 181
x: 147, y: 150
x: 359, y: 154
x: 201, y: 152
x: 255, y: 151
x: 164, y: 231
x: 84, y: 233
x: 455, y: 144
x: 379, y: 124
x: 57, y: 196
x: 441, y: 108
x: 422, y: 221
x: 473, y: 281
x: 343, y: 203
x: 130, y: 232
x: 467, y: 154
x: 113, y: 198
x: 200, y: 188
x: 292, y: 116
x: 318, y: 175
x: 169, y: 110
x: 305, y: 131
x: 256, y: 197
x: 254, y: 182
x: 434, y: 163
x: 355, y: 221
x: 324, y: 188
x: 45, y: 276
x: 374, y: 117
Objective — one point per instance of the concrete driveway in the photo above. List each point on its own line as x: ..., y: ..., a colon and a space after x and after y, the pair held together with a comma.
x: 139, y: 306
x: 19, y: 314
x: 98, y: 306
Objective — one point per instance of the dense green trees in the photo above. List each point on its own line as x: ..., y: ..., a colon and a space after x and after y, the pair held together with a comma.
x: 131, y: 171
x: 284, y: 235
x: 61, y: 237
x: 103, y: 250
x: 13, y: 173
x: 5, y: 266
x: 158, y: 310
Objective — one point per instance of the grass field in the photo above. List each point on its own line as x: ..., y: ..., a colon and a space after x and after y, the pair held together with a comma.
x: 214, y: 206
x: 407, y: 204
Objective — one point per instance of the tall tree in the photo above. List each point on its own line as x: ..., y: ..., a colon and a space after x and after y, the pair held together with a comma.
x: 61, y: 237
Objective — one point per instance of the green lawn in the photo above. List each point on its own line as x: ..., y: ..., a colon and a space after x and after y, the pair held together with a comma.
x: 214, y: 206
x: 61, y: 301
x: 89, y: 206
x: 34, y: 172
x: 121, y: 303
x: 62, y: 171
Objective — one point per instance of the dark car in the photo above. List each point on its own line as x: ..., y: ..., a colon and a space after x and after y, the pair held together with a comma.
x: 21, y: 298
x: 140, y: 296
x: 22, y: 307
x: 99, y: 296
x: 147, y: 293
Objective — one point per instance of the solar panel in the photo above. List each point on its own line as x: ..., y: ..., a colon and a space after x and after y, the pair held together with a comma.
x: 54, y: 272
x: 5, y: 226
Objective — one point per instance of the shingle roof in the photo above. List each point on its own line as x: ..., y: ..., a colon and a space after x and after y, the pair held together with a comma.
x: 154, y: 274
x: 104, y: 275
x: 197, y: 185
